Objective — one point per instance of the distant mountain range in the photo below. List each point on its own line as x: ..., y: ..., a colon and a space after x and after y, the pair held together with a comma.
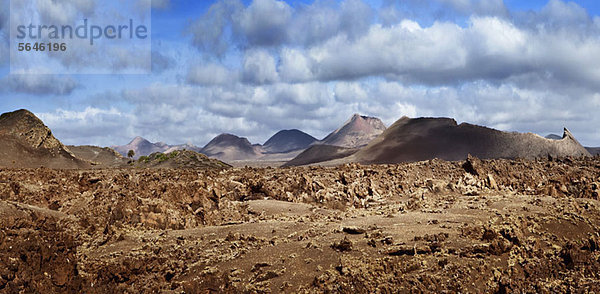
x: 26, y: 142
x: 358, y: 131
x: 366, y: 140
x: 143, y: 147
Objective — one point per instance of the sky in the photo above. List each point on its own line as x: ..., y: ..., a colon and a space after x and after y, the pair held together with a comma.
x: 255, y: 67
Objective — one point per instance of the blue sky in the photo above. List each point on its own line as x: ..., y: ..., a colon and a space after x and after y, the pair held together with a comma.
x: 254, y: 67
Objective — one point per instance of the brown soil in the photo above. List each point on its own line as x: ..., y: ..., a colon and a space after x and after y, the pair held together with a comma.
x: 475, y: 226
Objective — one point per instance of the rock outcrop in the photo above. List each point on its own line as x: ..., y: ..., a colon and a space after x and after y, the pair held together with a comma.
x: 25, y: 141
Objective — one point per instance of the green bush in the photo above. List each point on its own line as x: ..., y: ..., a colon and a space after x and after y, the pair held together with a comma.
x: 144, y: 159
x: 162, y: 157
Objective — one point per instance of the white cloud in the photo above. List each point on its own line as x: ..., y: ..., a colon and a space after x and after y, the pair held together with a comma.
x: 270, y: 23
x: 89, y: 126
x: 349, y: 92
x: 311, y: 66
x: 212, y: 74
x: 39, y: 84
x: 294, y: 66
x: 264, y: 22
x: 64, y: 11
x: 259, y: 67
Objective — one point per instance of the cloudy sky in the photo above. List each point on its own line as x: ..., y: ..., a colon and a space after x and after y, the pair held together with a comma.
x: 255, y: 67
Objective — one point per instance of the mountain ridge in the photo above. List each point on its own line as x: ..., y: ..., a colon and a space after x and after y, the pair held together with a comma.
x: 418, y: 139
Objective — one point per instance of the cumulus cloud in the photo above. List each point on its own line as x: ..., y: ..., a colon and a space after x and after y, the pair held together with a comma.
x: 264, y: 22
x: 489, y: 48
x: 295, y: 66
x: 211, y: 33
x: 339, y: 42
x: 322, y: 20
x: 63, y: 12
x: 350, y: 92
x: 271, y: 23
x: 259, y: 67
x: 212, y: 74
x: 39, y: 84
x: 94, y: 126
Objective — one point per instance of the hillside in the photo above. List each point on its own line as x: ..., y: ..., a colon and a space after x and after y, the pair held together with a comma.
x: 26, y: 142
x: 357, y: 132
x: 180, y: 159
x: 427, y: 138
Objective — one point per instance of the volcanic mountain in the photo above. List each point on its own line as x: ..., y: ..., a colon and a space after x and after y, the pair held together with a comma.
x: 288, y: 140
x: 357, y: 132
x: 228, y: 147
x: 428, y: 138
x: 26, y: 142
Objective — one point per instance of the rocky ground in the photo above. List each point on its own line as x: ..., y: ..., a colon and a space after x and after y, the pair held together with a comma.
x: 472, y: 226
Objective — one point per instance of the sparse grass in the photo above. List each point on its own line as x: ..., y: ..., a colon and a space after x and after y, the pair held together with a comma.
x: 161, y: 157
x: 144, y: 159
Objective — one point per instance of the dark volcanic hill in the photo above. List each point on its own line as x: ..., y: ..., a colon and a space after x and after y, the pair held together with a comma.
x: 427, y: 138
x: 288, y: 140
x: 25, y: 142
x: 228, y: 147
x: 358, y: 131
